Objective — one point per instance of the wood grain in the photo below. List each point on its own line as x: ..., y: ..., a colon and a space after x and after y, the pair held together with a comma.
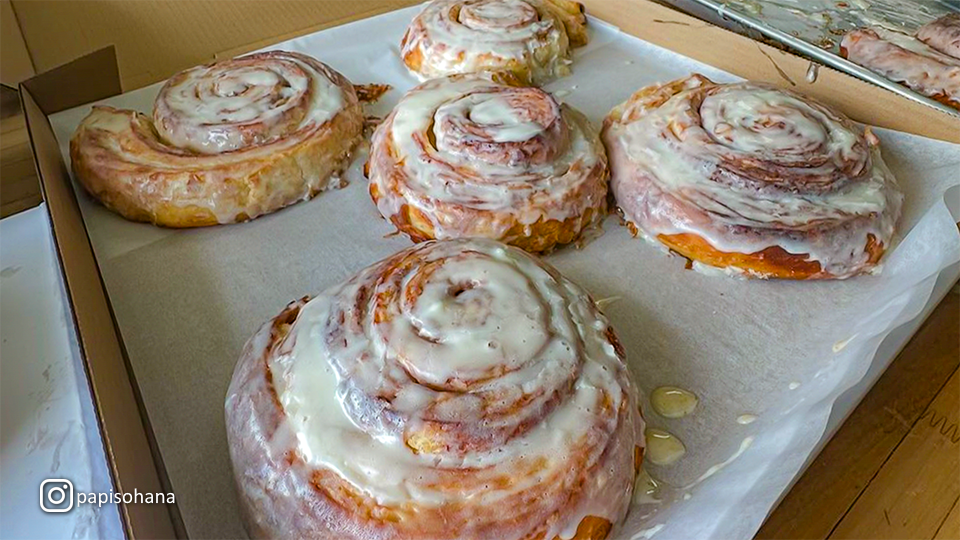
x: 909, y: 497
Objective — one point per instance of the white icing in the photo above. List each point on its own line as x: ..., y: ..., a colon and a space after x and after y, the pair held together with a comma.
x: 464, y: 323
x: 512, y: 151
x: 455, y: 36
x: 685, y: 166
x: 256, y: 99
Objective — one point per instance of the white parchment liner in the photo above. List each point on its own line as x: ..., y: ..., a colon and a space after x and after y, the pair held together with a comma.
x: 186, y: 301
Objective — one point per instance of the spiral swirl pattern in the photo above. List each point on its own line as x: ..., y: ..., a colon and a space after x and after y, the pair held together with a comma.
x: 742, y: 168
x: 458, y: 389
x: 469, y: 156
x: 229, y: 141
x: 532, y: 39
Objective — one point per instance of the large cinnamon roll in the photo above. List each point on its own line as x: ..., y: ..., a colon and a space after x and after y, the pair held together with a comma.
x: 458, y: 389
x: 228, y: 141
x: 906, y: 60
x: 470, y: 156
x: 752, y: 179
x: 532, y: 39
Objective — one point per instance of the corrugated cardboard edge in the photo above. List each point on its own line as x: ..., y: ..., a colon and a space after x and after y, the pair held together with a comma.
x: 127, y: 435
x: 15, y: 62
x: 127, y: 439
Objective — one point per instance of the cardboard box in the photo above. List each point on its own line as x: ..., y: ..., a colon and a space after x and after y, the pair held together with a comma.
x: 153, y: 40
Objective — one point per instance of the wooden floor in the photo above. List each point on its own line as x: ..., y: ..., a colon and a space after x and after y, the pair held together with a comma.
x: 893, y: 469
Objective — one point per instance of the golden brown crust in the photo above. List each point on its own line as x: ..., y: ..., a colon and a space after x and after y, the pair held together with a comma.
x: 538, y: 237
x: 772, y: 262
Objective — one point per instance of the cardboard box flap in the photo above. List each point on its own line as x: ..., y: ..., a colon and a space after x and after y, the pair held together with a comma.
x: 15, y: 62
x: 132, y: 453
x: 90, y: 78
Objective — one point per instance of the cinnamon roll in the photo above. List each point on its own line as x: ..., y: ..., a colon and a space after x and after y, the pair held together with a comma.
x: 228, y: 141
x: 471, y: 156
x: 751, y: 179
x: 906, y: 60
x: 532, y: 39
x: 457, y: 389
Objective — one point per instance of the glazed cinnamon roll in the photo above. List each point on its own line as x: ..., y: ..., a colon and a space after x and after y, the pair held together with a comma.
x: 470, y: 156
x: 228, y: 142
x: 751, y: 179
x: 906, y: 60
x: 457, y: 389
x: 532, y: 39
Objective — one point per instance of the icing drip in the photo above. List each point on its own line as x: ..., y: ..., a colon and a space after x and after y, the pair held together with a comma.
x: 527, y: 37
x: 464, y: 373
x: 251, y: 100
x: 673, y: 402
x: 475, y: 157
x: 746, y: 167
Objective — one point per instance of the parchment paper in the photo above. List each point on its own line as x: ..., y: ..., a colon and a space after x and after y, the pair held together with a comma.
x: 186, y: 301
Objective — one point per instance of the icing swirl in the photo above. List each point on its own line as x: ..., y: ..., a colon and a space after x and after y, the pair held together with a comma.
x: 530, y: 38
x: 469, y: 156
x: 243, y: 102
x: 747, y: 167
x: 461, y: 379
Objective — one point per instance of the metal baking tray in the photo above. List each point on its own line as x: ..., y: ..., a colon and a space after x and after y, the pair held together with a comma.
x: 814, y: 28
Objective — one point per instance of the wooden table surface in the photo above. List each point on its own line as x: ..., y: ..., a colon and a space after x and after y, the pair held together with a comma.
x: 891, y: 471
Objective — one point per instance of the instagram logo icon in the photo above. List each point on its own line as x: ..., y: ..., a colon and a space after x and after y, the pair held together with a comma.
x: 56, y: 495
